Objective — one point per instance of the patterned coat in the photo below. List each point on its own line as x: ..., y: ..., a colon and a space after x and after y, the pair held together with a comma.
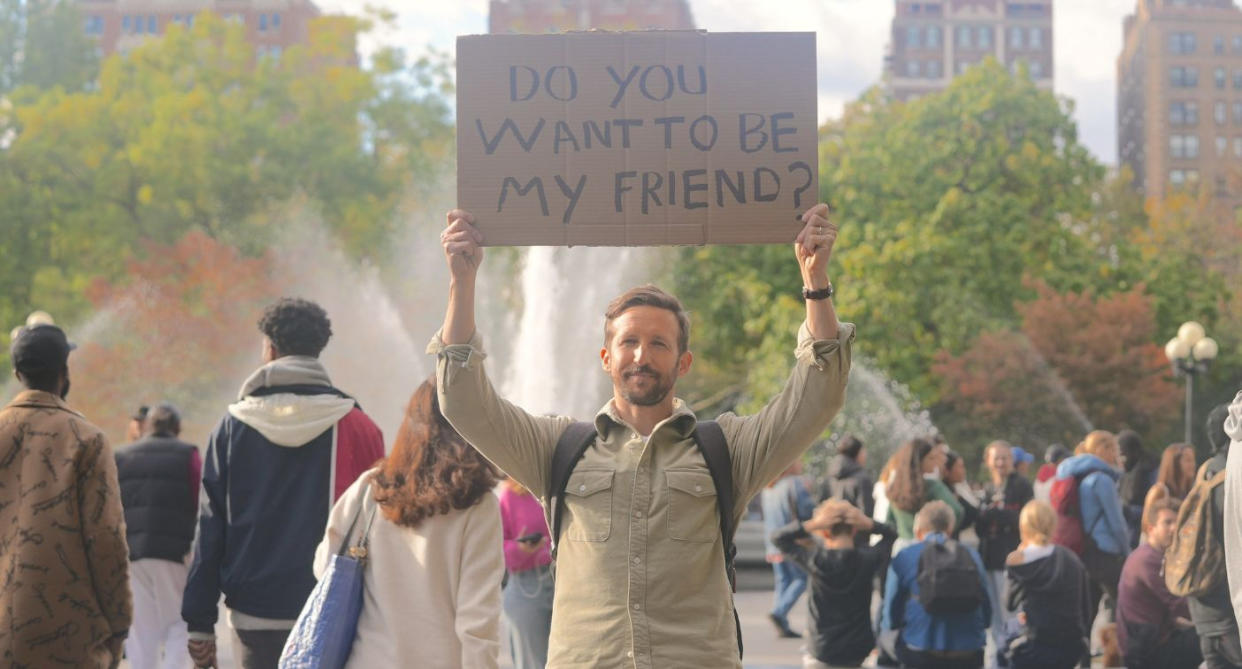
x: 64, y: 564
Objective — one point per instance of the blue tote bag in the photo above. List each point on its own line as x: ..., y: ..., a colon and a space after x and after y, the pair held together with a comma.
x: 324, y: 633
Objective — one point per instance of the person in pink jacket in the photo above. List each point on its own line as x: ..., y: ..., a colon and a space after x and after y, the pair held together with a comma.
x: 528, y: 588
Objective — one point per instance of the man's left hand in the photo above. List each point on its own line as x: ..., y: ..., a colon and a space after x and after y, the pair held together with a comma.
x: 813, y: 247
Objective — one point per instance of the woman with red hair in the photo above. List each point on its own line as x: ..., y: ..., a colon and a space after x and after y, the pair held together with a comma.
x: 431, y: 586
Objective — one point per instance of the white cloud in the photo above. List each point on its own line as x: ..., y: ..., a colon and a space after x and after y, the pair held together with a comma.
x: 852, y: 36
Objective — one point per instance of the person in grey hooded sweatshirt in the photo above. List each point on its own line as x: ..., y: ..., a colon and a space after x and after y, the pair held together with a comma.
x: 275, y: 464
x: 846, y: 479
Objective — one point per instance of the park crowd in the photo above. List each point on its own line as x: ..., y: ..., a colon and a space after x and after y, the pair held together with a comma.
x: 106, y: 553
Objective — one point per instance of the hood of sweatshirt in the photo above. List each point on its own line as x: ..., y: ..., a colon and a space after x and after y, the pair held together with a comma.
x: 289, y: 419
x: 1082, y: 465
x: 1046, y: 574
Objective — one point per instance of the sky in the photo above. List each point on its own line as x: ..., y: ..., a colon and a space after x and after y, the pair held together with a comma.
x: 852, y: 36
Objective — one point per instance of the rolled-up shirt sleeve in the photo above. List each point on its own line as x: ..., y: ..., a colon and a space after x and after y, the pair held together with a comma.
x: 517, y: 442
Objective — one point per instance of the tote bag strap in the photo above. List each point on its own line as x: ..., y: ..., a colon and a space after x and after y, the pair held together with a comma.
x: 359, y: 549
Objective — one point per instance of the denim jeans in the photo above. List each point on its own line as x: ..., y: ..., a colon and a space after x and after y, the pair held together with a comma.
x: 790, y: 583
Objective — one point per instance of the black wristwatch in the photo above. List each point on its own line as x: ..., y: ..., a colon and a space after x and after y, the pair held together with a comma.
x: 821, y: 294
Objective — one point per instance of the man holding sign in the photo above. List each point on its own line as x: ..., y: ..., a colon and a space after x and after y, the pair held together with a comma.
x: 640, y: 572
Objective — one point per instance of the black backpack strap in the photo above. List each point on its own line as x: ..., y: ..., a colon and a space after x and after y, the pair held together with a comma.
x: 569, y: 449
x: 711, y: 441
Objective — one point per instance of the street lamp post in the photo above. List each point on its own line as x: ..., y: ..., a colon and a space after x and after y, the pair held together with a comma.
x: 1190, y: 352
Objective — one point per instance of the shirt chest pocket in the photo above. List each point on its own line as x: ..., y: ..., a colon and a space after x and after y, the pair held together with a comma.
x: 692, y: 506
x: 588, y: 505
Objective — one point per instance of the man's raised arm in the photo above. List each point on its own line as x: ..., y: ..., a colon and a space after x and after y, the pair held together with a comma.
x: 517, y: 442
x: 764, y: 444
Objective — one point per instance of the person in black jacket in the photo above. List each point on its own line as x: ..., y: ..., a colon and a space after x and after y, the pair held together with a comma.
x: 1140, y: 474
x: 1212, y: 613
x: 159, y: 477
x: 1048, y: 594
x: 840, y: 632
x: 1003, y: 498
x: 846, y: 477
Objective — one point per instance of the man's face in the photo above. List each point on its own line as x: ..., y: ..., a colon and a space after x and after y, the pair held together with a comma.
x: 1161, y: 534
x: 1000, y: 461
x: 642, y: 356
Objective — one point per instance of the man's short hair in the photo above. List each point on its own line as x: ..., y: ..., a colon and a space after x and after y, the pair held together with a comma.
x: 935, y: 516
x: 999, y: 443
x: 164, y: 420
x: 648, y: 296
x: 296, y: 327
x: 850, y: 446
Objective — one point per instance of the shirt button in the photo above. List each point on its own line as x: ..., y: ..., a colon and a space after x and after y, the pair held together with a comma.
x: 637, y: 606
x: 582, y: 488
x: 634, y: 435
x: 637, y: 560
x: 638, y: 514
x: 629, y: 653
x: 698, y: 488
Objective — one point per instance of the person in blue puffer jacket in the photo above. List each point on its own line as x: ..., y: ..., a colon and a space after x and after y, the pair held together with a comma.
x: 1096, y: 467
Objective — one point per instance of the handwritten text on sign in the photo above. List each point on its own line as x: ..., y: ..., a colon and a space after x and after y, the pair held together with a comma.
x: 637, y: 138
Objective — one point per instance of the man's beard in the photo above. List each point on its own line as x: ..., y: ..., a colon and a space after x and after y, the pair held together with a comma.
x: 64, y: 392
x: 661, y: 386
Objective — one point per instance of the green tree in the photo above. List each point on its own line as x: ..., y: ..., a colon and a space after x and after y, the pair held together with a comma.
x: 43, y: 44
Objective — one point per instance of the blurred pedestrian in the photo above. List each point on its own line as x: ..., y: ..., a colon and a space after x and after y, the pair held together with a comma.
x: 529, y: 586
x: 286, y: 450
x: 65, y: 600
x: 1005, y: 494
x: 1153, y: 626
x: 1042, y: 486
x: 915, y: 482
x: 1022, y: 460
x: 1138, y: 477
x: 431, y: 595
x: 1048, y: 594
x: 784, y: 501
x: 839, y: 630
x: 847, y: 477
x: 159, y: 477
x: 137, y: 425
x: 1212, y: 612
x: 955, y: 478
x: 1176, y: 475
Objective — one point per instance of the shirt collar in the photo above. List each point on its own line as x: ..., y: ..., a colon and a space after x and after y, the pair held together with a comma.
x: 40, y: 399
x: 682, y: 421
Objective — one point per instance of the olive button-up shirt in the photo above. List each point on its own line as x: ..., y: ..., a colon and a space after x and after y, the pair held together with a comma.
x: 640, y: 579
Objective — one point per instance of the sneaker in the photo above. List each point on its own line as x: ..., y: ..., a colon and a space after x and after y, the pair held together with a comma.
x: 782, y: 627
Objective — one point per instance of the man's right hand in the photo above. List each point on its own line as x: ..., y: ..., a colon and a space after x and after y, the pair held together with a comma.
x: 203, y: 652
x: 461, y: 242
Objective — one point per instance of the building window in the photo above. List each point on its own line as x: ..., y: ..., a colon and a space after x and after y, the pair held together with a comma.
x: 1184, y: 146
x: 1183, y: 77
x: 1218, y: 76
x: 262, y: 23
x: 1237, y: 80
x: 276, y: 22
x: 1177, y: 177
x: 1037, y: 69
x: 1237, y: 44
x: 1222, y: 186
x: 1237, y: 113
x: 964, y: 37
x: 984, y: 37
x: 913, y: 37
x: 912, y: 68
x: 125, y: 24
x: 1015, y: 37
x: 1237, y: 147
x: 151, y: 24
x: 933, y: 37
x: 934, y: 69
x: 94, y: 25
x: 1037, y: 38
x: 1218, y: 45
x: 1222, y: 145
x: 1220, y: 112
x: 1181, y: 43
x: 1186, y: 113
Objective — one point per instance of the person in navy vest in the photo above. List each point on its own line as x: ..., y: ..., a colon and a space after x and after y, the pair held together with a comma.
x: 286, y: 450
x: 159, y: 476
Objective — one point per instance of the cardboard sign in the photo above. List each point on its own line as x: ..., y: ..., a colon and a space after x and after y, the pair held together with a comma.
x: 637, y: 138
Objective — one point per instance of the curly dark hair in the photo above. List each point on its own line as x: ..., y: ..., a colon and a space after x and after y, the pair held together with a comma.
x: 296, y: 327
x: 431, y: 470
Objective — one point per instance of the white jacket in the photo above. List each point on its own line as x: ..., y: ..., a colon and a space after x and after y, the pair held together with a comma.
x: 1233, y: 499
x: 431, y: 595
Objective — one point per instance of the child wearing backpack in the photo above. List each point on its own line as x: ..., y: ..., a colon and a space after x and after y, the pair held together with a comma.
x: 841, y: 575
x: 1049, y: 594
x: 936, y: 597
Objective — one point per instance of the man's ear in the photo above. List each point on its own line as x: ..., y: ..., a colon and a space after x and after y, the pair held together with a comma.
x: 683, y: 363
x: 605, y: 359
